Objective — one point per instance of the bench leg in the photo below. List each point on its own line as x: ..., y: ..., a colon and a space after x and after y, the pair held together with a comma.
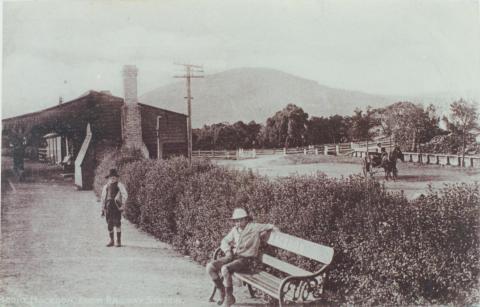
x: 212, y: 297
x: 250, y: 290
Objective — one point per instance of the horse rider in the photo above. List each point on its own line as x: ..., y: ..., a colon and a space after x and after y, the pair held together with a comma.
x: 383, y: 156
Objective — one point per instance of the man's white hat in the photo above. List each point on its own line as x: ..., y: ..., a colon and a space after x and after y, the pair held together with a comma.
x: 239, y: 213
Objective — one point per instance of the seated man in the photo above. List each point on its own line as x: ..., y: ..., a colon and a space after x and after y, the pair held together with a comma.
x: 240, y: 246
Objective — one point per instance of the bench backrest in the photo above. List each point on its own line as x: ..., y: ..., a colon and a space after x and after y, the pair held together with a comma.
x: 299, y: 246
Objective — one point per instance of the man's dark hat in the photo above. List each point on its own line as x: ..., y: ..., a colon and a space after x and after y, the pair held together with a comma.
x: 113, y: 172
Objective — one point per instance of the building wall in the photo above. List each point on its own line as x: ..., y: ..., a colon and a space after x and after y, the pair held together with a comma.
x: 106, y: 119
x: 172, y: 131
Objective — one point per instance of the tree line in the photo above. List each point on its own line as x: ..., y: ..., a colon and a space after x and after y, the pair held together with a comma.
x: 405, y: 123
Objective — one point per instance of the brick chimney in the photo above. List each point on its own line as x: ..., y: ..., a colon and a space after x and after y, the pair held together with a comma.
x: 132, y: 120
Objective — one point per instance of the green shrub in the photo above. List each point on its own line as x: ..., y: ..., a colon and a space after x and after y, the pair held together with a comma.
x: 165, y: 181
x: 206, y: 206
x: 388, y: 250
x: 133, y: 176
x: 383, y: 254
x: 448, y: 232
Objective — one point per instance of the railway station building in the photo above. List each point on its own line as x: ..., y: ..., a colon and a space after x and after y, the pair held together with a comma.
x: 82, y: 129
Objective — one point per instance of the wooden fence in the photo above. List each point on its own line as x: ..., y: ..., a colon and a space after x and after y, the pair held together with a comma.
x: 441, y: 159
x: 430, y: 158
x: 358, y: 150
x: 216, y: 154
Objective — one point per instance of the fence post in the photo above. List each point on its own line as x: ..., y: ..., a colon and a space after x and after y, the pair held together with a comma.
x: 304, y: 151
x: 448, y: 160
x: 325, y: 150
x: 254, y: 153
x: 284, y: 150
x: 316, y: 151
x: 337, y: 149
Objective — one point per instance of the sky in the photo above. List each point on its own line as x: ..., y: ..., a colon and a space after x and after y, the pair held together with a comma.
x: 405, y: 47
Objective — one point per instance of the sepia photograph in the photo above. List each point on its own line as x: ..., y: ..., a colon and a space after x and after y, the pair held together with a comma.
x: 240, y: 153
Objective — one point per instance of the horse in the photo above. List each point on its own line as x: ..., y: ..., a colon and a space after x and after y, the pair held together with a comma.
x: 390, y: 165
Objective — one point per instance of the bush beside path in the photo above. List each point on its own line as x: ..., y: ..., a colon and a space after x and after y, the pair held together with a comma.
x: 388, y: 250
x: 53, y: 252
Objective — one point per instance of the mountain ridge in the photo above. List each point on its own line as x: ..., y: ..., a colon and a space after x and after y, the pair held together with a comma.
x: 252, y: 93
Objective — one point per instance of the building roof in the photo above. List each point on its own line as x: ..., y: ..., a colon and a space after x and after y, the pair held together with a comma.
x: 156, y: 108
x: 76, y: 105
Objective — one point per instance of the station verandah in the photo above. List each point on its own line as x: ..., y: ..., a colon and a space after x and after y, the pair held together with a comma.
x: 56, y: 135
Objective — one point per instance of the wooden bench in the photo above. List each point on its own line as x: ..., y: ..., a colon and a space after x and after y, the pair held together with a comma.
x: 300, y: 286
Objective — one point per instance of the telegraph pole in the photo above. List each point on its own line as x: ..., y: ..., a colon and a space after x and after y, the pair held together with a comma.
x: 190, y: 71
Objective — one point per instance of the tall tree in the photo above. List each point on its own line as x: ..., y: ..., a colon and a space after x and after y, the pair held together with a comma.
x: 253, y: 131
x: 464, y: 118
x: 408, y: 124
x: 317, y: 132
x: 362, y: 124
x: 334, y: 129
x: 286, y: 128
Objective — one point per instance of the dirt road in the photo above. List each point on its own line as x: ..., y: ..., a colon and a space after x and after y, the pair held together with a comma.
x: 413, y: 179
x: 53, y: 253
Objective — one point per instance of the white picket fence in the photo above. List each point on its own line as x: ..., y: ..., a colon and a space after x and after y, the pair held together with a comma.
x: 327, y: 149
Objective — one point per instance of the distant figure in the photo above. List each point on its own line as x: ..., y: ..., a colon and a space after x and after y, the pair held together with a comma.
x: 240, y: 246
x: 384, y: 156
x: 67, y: 163
x: 379, y: 147
x: 18, y: 152
x: 114, y: 197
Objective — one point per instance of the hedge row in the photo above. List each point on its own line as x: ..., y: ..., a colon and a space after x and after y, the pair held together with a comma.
x: 388, y: 250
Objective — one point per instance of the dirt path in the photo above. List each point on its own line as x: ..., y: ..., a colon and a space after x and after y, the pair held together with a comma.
x: 53, y: 253
x: 413, y: 179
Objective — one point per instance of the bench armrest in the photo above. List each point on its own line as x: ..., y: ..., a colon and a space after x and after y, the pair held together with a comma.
x: 303, y: 287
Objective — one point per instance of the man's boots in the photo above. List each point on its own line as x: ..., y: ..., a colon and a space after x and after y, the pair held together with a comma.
x: 119, y: 239
x: 111, y: 239
x: 219, y: 284
x: 229, y: 299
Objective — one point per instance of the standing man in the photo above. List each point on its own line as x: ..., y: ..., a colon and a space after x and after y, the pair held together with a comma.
x: 114, y: 197
x: 240, y: 246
